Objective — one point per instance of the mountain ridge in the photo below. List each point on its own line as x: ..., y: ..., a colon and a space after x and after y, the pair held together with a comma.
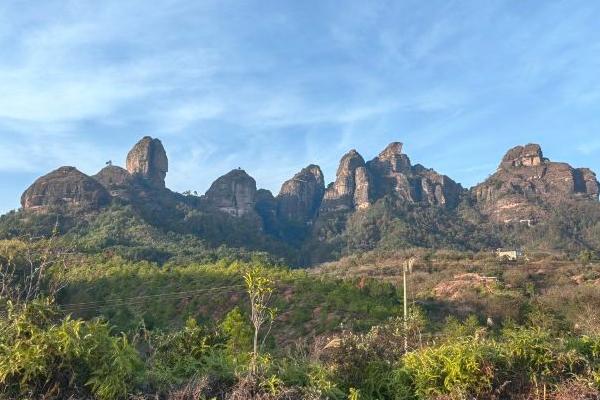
x: 383, y: 200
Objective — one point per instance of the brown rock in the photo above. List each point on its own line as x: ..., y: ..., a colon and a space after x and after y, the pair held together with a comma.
x: 148, y: 160
x: 300, y: 197
x: 393, y: 174
x: 65, y: 187
x: 233, y: 193
x: 523, y: 156
x: 117, y: 180
x: 352, y: 187
x: 527, y: 185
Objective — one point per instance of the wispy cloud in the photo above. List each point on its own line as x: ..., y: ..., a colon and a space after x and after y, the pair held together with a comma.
x: 274, y: 86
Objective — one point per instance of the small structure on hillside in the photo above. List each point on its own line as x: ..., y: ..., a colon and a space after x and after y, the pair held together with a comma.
x: 510, y: 254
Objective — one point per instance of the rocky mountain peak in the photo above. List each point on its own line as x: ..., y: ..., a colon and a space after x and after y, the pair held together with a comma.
x: 526, y: 185
x: 529, y: 155
x: 65, y: 187
x: 352, y: 186
x: 393, y: 174
x: 233, y: 193
x: 300, y: 197
x: 148, y: 160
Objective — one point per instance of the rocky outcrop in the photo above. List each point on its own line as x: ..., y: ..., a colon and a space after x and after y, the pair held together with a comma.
x: 65, y: 187
x: 117, y: 180
x: 527, y: 185
x: 529, y: 155
x: 233, y: 193
x: 300, y: 197
x: 393, y: 174
x: 148, y: 160
x: 352, y: 188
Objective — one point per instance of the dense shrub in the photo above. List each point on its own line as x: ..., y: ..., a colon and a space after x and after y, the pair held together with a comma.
x: 42, y: 355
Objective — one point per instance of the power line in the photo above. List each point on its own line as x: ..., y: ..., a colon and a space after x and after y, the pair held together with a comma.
x: 86, y: 306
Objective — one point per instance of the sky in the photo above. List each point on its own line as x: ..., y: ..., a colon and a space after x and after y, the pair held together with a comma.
x: 274, y: 85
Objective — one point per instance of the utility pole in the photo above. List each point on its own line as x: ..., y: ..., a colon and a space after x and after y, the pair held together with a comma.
x: 407, y: 267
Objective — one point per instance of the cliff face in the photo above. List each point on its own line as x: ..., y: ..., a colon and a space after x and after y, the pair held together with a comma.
x: 394, y: 174
x: 300, y: 197
x: 359, y: 184
x: 233, y: 193
x: 148, y: 160
x: 352, y: 188
x: 63, y: 188
x: 526, y: 185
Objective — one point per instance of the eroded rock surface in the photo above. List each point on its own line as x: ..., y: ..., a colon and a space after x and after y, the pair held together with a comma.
x: 393, y: 174
x: 148, y: 160
x: 300, y: 197
x: 526, y: 185
x: 352, y: 188
x: 117, y: 180
x: 233, y: 193
x: 65, y: 187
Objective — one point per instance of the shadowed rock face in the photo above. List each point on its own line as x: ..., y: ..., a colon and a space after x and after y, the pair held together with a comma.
x: 352, y: 187
x: 393, y: 174
x: 359, y: 184
x: 148, y: 160
x: 300, y: 197
x: 233, y: 193
x: 117, y: 180
x: 65, y: 187
x: 526, y: 185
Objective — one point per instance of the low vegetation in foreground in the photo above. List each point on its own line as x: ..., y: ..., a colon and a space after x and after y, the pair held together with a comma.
x: 81, y: 326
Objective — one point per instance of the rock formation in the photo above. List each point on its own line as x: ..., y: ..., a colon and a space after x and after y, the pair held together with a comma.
x: 148, y: 160
x: 393, y: 173
x: 300, y: 197
x: 117, y: 180
x: 233, y: 193
x: 65, y: 187
x: 526, y: 185
x: 352, y: 188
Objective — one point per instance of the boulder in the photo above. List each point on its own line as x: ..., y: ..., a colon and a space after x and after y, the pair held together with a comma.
x: 233, y: 193
x: 65, y: 188
x: 148, y: 160
x: 300, y: 197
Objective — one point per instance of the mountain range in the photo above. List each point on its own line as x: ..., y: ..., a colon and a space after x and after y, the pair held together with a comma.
x: 385, y: 203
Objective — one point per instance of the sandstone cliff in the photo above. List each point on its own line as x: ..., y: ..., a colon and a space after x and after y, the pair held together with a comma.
x: 148, y: 160
x: 65, y: 187
x: 352, y: 188
x: 233, y: 193
x: 393, y: 174
x: 300, y: 197
x: 526, y: 185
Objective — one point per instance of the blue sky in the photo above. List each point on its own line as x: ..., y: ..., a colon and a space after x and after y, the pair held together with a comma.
x: 272, y: 86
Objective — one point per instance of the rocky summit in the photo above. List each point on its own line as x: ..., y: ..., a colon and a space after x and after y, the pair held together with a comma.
x: 527, y: 185
x: 65, y: 188
x: 233, y: 193
x: 300, y: 197
x: 148, y: 160
x: 352, y: 188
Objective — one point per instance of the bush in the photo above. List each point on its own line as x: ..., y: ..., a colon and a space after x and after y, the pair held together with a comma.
x: 43, y: 356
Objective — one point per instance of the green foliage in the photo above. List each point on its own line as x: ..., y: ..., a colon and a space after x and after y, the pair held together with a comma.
x: 44, y: 356
x: 458, y: 368
x: 238, y: 334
